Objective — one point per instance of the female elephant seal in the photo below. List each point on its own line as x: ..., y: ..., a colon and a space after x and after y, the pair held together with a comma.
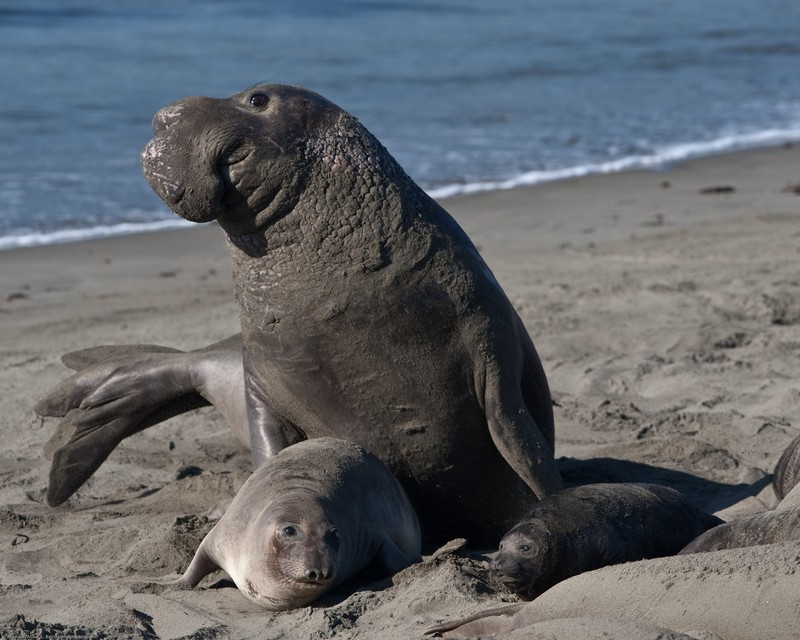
x: 366, y: 312
x: 591, y: 526
x: 309, y: 518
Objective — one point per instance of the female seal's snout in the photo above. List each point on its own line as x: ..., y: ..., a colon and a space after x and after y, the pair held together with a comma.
x: 316, y: 564
x: 320, y: 574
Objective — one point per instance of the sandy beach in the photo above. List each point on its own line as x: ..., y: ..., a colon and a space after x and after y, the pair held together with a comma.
x: 665, y: 307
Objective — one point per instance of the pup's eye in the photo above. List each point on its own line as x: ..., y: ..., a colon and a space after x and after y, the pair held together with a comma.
x: 525, y: 548
x: 289, y: 531
x: 258, y: 100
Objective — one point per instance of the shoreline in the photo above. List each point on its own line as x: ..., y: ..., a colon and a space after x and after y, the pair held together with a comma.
x: 667, y: 321
x: 664, y: 167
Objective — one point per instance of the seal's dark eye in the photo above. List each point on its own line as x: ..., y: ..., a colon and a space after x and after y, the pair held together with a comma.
x: 289, y: 531
x: 258, y: 100
x: 525, y: 548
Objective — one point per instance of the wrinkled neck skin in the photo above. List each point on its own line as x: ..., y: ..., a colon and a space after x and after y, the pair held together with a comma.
x: 355, y: 201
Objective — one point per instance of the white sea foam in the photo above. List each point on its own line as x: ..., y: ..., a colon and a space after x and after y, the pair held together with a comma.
x: 658, y: 160
x: 76, y: 235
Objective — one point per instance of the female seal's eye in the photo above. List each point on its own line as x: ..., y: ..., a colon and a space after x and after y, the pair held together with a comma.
x: 289, y: 531
x: 258, y: 100
x: 525, y: 548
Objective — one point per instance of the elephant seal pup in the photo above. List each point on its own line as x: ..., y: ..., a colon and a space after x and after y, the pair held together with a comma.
x: 309, y: 518
x: 591, y: 526
x: 787, y: 472
x: 736, y: 594
x: 366, y: 313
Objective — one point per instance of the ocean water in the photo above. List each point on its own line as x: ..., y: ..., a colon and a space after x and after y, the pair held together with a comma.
x: 466, y: 94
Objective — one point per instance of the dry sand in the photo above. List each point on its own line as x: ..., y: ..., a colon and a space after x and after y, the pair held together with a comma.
x: 668, y: 322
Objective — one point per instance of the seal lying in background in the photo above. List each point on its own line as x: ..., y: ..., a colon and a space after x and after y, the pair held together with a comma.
x: 787, y: 471
x: 771, y: 527
x: 367, y: 314
x: 591, y: 526
x: 309, y: 518
x: 761, y: 528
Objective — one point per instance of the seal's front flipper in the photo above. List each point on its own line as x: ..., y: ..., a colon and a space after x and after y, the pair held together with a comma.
x: 517, y: 436
x: 391, y: 558
x: 524, y: 448
x: 201, y: 565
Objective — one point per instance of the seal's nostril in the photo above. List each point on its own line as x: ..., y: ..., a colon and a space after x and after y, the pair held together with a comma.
x: 311, y: 574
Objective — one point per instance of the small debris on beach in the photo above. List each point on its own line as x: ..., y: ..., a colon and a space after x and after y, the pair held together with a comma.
x: 717, y: 190
x: 792, y: 187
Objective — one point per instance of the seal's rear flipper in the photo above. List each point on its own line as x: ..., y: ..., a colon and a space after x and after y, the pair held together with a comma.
x: 84, y: 358
x: 78, y: 451
x: 119, y: 391
x: 86, y: 437
x: 94, y: 367
x: 508, y: 610
x: 130, y: 370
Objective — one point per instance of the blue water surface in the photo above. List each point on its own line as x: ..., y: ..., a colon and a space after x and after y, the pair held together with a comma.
x: 467, y: 94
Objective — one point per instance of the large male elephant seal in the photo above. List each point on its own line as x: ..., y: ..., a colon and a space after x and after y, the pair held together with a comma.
x: 309, y: 518
x: 367, y: 314
x: 592, y: 526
